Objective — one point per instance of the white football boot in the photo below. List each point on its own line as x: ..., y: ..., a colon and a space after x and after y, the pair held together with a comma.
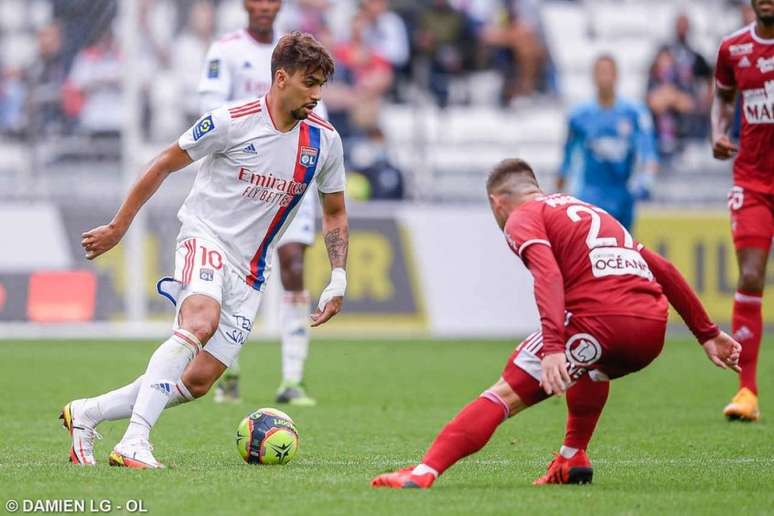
x: 82, y: 433
x: 135, y: 454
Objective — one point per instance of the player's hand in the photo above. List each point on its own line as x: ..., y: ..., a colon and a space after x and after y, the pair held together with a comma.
x: 555, y: 379
x: 100, y: 240
x: 331, y: 298
x: 723, y: 351
x: 332, y: 307
x: 723, y: 148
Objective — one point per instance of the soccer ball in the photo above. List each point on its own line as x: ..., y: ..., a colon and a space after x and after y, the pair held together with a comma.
x: 267, y: 436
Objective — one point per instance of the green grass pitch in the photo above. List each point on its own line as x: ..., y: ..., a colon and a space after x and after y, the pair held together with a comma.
x: 662, y: 446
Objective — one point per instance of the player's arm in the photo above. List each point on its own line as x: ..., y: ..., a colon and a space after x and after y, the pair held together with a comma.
x: 723, y: 107
x: 721, y: 349
x: 336, y: 236
x: 103, y: 238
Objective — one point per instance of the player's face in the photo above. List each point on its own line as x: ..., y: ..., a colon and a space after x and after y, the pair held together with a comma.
x: 605, y: 75
x: 262, y: 13
x: 301, y: 91
x: 498, y: 205
x: 764, y: 11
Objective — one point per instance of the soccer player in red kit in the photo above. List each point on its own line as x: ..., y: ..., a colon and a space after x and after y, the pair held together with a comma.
x: 746, y: 65
x: 603, y: 314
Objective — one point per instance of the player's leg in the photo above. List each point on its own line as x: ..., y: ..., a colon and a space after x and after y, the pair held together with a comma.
x: 475, y: 424
x: 162, y: 386
x: 751, y: 222
x: 585, y: 402
x: 294, y: 323
x: 296, y: 307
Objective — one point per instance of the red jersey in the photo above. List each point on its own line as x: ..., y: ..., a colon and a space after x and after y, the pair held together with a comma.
x: 746, y: 63
x: 600, y: 268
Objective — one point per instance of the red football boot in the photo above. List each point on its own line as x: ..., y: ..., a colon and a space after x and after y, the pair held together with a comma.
x: 403, y: 479
x: 576, y: 470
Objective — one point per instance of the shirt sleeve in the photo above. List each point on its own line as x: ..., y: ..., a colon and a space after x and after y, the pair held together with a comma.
x: 680, y: 295
x: 724, y: 69
x: 523, y: 231
x: 210, y: 134
x: 332, y: 177
x: 646, y: 135
x: 214, y: 87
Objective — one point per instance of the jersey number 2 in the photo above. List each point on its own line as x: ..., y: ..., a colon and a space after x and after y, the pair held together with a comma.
x: 593, y: 240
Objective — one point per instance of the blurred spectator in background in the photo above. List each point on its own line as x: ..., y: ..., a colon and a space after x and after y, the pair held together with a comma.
x: 385, y: 33
x: 92, y: 92
x: 696, y: 73
x: 12, y: 94
x: 191, y: 47
x: 369, y: 158
x: 44, y: 80
x: 446, y: 45
x: 82, y: 21
x: 611, y: 135
x: 670, y: 99
x: 354, y: 95
x: 523, y: 64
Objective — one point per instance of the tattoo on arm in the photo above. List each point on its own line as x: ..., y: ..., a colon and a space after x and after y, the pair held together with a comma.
x: 337, y: 243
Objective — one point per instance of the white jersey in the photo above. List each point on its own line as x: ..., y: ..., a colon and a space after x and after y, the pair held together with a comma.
x: 238, y: 67
x: 252, y: 179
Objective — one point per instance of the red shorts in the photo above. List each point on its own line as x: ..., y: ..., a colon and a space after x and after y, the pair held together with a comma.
x: 604, y: 347
x: 752, y: 218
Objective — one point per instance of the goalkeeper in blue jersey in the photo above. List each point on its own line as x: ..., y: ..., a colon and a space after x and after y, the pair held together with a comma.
x: 612, y: 137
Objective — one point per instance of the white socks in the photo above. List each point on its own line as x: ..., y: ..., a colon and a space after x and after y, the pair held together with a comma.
x: 294, y: 321
x: 423, y: 469
x: 567, y: 452
x: 116, y: 404
x: 161, y: 385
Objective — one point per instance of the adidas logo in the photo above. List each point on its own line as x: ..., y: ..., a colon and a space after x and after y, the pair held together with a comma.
x: 163, y: 387
x: 744, y: 62
x: 250, y: 149
x: 743, y: 333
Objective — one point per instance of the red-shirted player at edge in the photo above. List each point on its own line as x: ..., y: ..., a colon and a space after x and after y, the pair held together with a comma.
x: 746, y: 66
x: 602, y: 299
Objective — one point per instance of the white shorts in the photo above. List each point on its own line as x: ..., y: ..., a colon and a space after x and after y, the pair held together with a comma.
x: 301, y: 230
x: 201, y: 267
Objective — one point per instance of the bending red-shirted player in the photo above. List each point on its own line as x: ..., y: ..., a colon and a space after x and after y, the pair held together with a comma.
x: 746, y: 65
x: 603, y: 315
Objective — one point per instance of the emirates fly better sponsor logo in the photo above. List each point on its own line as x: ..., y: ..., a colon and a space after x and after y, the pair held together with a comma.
x: 268, y: 188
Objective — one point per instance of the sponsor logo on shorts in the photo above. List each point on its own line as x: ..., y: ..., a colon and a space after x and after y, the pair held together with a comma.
x: 236, y: 336
x: 308, y: 156
x: 206, y: 274
x: 204, y: 126
x: 583, y: 350
x: 243, y: 323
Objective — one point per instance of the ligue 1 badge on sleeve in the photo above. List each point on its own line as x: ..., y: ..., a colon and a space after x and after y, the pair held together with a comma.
x: 204, y: 126
x: 308, y: 157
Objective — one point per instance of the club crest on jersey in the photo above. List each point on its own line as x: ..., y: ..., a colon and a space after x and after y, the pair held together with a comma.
x: 204, y: 126
x: 583, y: 350
x: 206, y: 274
x: 213, y: 69
x: 307, y: 157
x: 765, y: 65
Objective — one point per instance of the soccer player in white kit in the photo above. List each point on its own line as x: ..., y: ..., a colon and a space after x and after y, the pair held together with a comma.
x: 258, y: 160
x: 238, y: 67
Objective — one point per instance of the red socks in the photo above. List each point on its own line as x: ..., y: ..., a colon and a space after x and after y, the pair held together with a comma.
x: 467, y: 433
x: 747, y: 326
x: 585, y: 401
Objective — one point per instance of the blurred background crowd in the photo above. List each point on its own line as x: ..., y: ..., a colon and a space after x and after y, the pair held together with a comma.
x: 427, y: 93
